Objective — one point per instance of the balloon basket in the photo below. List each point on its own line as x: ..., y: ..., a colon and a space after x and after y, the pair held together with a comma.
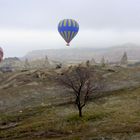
x: 67, y: 44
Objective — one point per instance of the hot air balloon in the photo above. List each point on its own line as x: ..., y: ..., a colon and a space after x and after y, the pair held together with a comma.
x: 1, y: 54
x: 68, y: 28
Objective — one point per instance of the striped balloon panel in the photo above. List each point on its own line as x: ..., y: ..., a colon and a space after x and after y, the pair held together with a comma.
x: 68, y: 28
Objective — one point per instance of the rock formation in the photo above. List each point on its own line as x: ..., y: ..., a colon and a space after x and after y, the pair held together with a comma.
x: 124, y: 60
x: 11, y: 64
x: 46, y: 62
x: 102, y: 62
x: 27, y: 64
x: 92, y: 62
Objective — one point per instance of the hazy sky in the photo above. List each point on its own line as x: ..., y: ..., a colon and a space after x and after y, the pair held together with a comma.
x: 27, y: 25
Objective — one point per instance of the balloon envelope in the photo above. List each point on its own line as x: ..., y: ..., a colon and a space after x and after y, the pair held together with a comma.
x: 68, y: 28
x: 1, y: 54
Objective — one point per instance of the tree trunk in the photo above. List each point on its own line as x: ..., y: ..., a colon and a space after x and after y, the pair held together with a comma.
x: 80, y: 112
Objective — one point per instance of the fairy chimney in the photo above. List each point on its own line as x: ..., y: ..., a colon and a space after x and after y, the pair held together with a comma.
x: 124, y: 60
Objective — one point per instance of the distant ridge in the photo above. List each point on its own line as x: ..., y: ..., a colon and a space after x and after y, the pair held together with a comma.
x: 112, y: 54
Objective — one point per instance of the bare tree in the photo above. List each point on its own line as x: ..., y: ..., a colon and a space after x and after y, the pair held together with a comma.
x: 83, y: 83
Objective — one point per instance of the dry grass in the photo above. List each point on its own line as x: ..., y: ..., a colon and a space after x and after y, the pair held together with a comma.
x: 116, y: 116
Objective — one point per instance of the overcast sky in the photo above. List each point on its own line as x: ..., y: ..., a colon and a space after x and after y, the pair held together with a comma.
x: 27, y: 25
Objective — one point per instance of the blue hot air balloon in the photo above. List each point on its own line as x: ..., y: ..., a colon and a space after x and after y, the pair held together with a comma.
x: 68, y: 28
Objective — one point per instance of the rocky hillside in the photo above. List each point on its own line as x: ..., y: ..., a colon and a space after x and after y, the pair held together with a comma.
x: 22, y: 89
x: 33, y: 106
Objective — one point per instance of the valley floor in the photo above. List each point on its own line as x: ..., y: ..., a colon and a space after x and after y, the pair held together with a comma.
x: 113, y: 117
